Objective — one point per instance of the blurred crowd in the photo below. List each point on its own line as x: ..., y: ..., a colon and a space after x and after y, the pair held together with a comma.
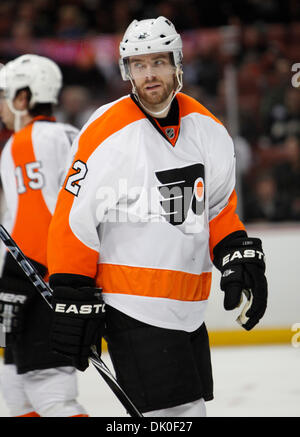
x: 82, y: 18
x: 244, y: 78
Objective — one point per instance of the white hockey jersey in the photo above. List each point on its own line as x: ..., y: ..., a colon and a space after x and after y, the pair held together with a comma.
x: 33, y: 168
x: 141, y: 213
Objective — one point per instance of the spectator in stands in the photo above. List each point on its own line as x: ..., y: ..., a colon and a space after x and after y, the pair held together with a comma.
x: 70, y: 22
x: 284, y: 119
x: 264, y: 202
x: 76, y: 106
x: 287, y: 175
x: 283, y: 124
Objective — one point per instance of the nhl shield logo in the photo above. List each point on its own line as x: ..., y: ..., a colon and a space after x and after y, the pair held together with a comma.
x: 170, y: 132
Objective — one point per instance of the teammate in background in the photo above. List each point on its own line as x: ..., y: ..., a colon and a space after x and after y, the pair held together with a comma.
x: 35, y: 381
x: 148, y: 203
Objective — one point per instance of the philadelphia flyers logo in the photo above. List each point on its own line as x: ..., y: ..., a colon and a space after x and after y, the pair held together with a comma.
x: 182, y: 189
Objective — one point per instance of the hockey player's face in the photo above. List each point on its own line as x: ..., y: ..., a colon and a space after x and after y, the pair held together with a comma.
x: 153, y: 76
x: 20, y: 103
x: 7, y: 117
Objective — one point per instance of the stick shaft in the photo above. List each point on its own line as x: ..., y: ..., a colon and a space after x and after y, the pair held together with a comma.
x: 46, y: 292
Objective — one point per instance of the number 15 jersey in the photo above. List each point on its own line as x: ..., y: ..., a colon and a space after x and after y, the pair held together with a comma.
x: 33, y: 164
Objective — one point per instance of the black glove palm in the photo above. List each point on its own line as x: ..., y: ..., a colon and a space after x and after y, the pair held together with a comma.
x: 78, y: 323
x: 241, y: 262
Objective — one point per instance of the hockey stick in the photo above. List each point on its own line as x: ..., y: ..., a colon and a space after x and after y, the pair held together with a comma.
x: 46, y: 292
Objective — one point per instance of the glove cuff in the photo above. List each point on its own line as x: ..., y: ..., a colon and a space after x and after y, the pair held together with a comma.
x: 84, y: 302
x: 223, y: 244
x: 240, y: 251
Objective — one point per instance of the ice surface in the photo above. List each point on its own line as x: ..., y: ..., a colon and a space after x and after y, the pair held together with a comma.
x: 250, y: 381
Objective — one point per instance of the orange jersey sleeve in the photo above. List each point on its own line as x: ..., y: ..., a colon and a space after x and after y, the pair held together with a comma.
x: 81, y: 257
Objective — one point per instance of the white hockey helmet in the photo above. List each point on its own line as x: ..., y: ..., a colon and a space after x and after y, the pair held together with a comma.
x: 153, y: 35
x: 41, y: 75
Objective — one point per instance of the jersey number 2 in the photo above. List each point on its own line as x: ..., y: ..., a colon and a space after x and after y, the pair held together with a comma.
x: 73, y: 182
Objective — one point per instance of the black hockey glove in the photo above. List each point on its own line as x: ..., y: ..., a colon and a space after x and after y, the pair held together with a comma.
x: 15, y: 298
x: 241, y: 262
x: 78, y: 323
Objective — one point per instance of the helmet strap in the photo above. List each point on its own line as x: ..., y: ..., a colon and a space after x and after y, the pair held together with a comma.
x: 18, y: 115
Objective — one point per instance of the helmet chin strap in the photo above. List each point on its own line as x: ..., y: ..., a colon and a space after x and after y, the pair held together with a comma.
x: 18, y: 115
x: 173, y: 94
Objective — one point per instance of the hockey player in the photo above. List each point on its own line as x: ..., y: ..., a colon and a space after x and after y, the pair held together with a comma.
x: 35, y: 381
x: 147, y: 207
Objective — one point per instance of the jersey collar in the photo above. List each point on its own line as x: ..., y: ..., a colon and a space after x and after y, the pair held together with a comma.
x: 168, y: 126
x: 42, y: 118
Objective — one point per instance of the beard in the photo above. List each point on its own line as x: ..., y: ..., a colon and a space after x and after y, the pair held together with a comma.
x: 155, y: 96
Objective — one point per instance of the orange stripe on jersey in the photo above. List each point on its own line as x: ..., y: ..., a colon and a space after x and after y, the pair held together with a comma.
x: 114, y: 119
x: 189, y: 105
x: 141, y: 281
x: 225, y: 223
x: 32, y: 220
x: 80, y: 415
x: 31, y: 414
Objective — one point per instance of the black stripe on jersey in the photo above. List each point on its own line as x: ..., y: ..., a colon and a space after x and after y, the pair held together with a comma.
x: 48, y: 121
x: 172, y: 119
